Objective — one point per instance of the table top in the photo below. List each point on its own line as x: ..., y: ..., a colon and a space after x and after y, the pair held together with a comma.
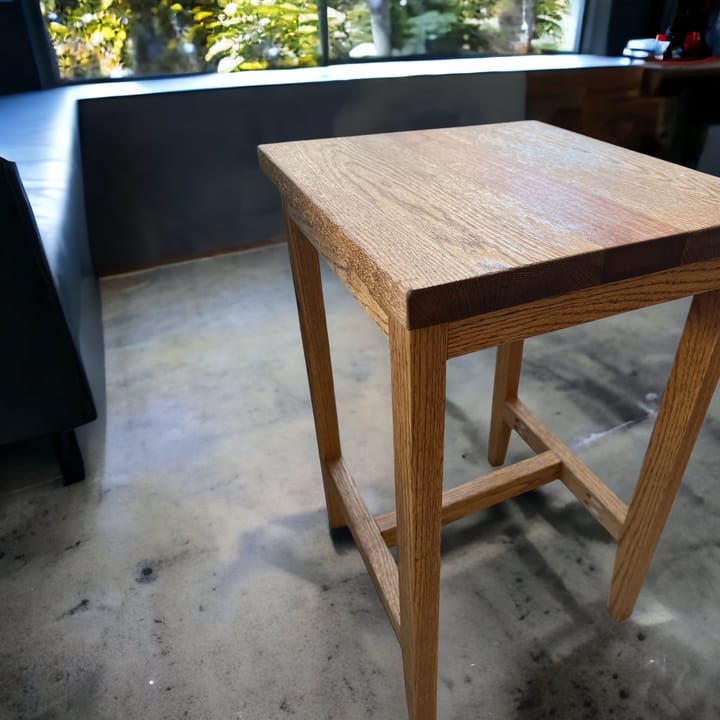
x: 442, y: 225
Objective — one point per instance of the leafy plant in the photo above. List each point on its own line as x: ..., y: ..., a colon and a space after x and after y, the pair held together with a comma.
x: 548, y: 19
x: 89, y: 36
x: 254, y: 34
x: 111, y: 38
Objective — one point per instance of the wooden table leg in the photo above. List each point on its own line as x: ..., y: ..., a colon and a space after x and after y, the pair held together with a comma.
x: 418, y: 360
x: 508, y: 364
x: 688, y: 393
x: 313, y: 329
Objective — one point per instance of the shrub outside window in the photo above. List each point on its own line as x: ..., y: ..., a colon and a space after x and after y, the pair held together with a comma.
x: 120, y: 38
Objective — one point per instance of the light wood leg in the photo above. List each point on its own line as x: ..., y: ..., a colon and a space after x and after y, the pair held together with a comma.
x: 508, y: 364
x: 682, y: 410
x: 313, y: 329
x: 418, y: 361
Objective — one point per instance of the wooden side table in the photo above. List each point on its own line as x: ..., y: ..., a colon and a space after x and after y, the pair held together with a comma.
x: 459, y: 239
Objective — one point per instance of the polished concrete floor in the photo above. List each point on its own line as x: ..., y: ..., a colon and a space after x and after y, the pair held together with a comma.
x: 192, y: 576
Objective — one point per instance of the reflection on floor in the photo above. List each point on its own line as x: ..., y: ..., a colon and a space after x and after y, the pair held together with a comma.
x: 191, y: 575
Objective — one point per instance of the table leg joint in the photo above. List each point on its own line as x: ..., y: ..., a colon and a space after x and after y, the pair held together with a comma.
x: 597, y: 498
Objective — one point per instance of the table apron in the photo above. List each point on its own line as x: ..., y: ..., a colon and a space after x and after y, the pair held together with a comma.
x: 343, y: 268
x: 555, y: 313
x: 536, y: 318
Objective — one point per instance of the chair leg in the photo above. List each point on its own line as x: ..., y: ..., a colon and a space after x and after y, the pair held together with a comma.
x: 69, y: 457
x: 690, y: 387
x: 313, y: 329
x: 508, y: 364
x: 418, y: 360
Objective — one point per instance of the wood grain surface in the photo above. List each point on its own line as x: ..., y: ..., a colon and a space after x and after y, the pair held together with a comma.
x: 690, y: 388
x: 508, y: 365
x: 373, y: 549
x: 441, y: 225
x: 313, y: 330
x: 486, y: 491
x: 594, y: 495
x: 543, y: 316
x: 418, y: 364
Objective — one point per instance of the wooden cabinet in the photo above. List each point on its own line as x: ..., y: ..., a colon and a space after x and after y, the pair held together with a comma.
x: 663, y: 109
x: 604, y: 103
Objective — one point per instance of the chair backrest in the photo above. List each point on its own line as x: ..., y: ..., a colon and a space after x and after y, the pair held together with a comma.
x: 43, y: 386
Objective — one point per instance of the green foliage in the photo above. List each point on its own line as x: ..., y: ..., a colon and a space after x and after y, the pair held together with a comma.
x: 163, y: 38
x: 119, y: 37
x: 348, y: 27
x: 548, y: 19
x: 254, y: 34
x: 90, y: 36
x: 115, y: 37
x: 449, y: 27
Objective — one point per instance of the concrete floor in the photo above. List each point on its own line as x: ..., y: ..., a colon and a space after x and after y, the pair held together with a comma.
x: 192, y: 576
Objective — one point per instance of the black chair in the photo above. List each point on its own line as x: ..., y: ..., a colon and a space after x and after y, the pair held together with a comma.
x: 44, y: 387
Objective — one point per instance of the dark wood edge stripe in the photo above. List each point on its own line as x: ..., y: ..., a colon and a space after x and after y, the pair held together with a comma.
x: 524, y: 321
x: 510, y: 288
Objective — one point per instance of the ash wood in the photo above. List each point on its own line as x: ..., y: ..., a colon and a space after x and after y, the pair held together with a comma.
x: 556, y: 313
x: 345, y: 272
x: 313, y: 329
x: 601, y: 502
x: 459, y: 239
x: 378, y: 560
x: 441, y: 225
x: 484, y: 492
x: 417, y: 360
x: 688, y: 393
x: 508, y: 364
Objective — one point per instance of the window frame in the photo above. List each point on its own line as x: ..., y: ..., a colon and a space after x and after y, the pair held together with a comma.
x: 591, y: 38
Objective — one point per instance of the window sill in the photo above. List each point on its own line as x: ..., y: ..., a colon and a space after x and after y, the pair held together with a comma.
x: 338, y: 73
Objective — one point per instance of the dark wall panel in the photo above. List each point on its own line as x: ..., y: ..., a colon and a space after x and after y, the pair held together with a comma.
x: 631, y: 19
x: 607, y: 26
x: 175, y: 175
x: 27, y: 61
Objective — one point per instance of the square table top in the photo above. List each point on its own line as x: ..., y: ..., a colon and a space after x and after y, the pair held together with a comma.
x: 442, y: 225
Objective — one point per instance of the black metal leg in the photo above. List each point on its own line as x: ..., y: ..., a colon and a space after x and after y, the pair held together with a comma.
x: 69, y: 456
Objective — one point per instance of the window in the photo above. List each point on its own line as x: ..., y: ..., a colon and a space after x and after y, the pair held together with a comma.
x: 118, y: 38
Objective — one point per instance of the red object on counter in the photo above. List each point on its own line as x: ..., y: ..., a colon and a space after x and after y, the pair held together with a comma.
x: 692, y: 42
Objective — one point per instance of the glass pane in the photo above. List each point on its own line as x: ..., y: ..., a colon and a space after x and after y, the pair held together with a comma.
x: 437, y: 28
x: 117, y: 38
